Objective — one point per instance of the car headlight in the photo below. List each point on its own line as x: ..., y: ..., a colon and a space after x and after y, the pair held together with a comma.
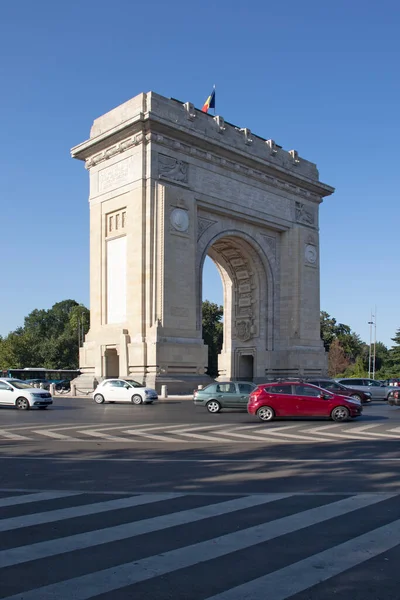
x: 354, y: 401
x: 36, y: 394
x: 368, y: 394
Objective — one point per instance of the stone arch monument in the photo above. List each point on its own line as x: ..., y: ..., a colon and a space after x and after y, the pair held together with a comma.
x: 170, y: 185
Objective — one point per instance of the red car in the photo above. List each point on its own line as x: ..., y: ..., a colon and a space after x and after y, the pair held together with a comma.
x: 298, y: 399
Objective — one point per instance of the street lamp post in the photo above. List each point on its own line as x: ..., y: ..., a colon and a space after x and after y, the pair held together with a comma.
x: 370, y: 323
x: 372, y: 352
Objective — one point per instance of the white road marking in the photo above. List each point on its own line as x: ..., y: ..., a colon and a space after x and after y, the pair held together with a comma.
x: 120, y: 576
x: 103, y: 436
x: 55, y: 435
x: 21, y: 554
x: 151, y: 436
x: 304, y: 574
x: 83, y: 510
x: 12, y: 436
x: 37, y: 497
x: 292, y: 436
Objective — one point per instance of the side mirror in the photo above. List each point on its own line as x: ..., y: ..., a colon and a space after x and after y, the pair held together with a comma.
x: 325, y: 396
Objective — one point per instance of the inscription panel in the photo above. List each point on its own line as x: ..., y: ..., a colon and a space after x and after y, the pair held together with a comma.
x: 115, y: 176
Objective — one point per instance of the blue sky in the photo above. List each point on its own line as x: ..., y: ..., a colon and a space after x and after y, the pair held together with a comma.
x: 320, y: 77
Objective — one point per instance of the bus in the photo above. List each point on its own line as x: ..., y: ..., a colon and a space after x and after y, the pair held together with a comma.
x: 39, y: 375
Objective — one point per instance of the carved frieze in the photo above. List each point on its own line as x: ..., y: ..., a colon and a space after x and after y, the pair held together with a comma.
x: 172, y: 168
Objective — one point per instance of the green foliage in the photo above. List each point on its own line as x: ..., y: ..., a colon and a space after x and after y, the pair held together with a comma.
x: 48, y: 339
x: 212, y: 334
x: 394, y: 352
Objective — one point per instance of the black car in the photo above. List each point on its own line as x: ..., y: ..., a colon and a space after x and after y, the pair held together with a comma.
x: 342, y: 390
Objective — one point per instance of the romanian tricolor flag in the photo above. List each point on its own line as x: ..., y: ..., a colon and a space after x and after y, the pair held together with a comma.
x: 210, y: 102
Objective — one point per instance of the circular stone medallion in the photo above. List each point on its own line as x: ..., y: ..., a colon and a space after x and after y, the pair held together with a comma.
x: 179, y: 219
x: 311, y: 254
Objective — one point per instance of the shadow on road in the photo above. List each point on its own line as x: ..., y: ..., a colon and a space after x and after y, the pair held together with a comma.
x: 280, y: 467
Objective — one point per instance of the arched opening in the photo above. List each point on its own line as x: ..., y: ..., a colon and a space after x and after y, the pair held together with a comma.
x: 245, y: 305
x: 212, y: 314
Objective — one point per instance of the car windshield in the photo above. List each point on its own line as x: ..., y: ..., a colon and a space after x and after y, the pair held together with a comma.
x: 133, y: 383
x: 20, y: 385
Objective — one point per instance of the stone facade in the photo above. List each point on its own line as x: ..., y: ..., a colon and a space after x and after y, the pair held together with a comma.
x: 170, y: 185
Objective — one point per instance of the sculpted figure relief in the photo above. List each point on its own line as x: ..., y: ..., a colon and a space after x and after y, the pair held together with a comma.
x: 304, y: 215
x: 172, y: 168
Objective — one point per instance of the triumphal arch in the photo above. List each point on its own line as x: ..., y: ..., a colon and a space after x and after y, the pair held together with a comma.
x: 170, y: 185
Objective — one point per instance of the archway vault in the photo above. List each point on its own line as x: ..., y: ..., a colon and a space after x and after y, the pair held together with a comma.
x: 248, y: 287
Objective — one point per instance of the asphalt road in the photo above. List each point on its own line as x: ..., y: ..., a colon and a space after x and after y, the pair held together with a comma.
x: 167, y: 501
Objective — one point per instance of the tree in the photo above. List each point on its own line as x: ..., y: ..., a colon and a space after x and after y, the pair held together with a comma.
x: 337, y: 360
x: 49, y: 338
x: 394, y: 352
x: 212, y: 334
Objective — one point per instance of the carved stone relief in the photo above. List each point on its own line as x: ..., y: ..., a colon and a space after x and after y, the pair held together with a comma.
x: 304, y: 215
x: 203, y: 225
x: 243, y: 332
x: 179, y: 219
x: 270, y: 242
x: 172, y: 168
x: 310, y: 254
x: 244, y: 327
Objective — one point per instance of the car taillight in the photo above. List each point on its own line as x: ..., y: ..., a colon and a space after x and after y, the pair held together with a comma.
x: 396, y: 394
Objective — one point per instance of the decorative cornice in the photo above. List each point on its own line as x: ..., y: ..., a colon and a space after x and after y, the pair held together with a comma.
x: 129, y: 142
x: 204, y: 155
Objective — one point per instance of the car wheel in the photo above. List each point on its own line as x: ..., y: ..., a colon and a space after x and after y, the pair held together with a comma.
x: 265, y: 413
x: 99, y: 399
x: 136, y: 399
x: 22, y: 404
x: 356, y: 397
x: 340, y: 413
x: 213, y: 406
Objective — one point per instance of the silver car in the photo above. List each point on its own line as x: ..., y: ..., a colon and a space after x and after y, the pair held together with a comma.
x: 378, y: 390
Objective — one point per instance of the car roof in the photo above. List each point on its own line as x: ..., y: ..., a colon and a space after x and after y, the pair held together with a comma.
x: 289, y: 382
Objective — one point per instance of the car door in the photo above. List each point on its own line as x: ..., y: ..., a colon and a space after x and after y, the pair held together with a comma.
x: 355, y: 384
x: 7, y: 393
x: 122, y: 391
x: 227, y: 395
x: 378, y: 391
x: 309, y: 402
x: 244, y: 391
x: 281, y: 399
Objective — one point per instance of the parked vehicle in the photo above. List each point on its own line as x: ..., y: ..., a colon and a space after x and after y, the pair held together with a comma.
x: 227, y: 394
x: 394, y: 397
x: 124, y: 390
x: 337, y: 388
x: 23, y: 396
x: 377, y: 389
x: 295, y: 399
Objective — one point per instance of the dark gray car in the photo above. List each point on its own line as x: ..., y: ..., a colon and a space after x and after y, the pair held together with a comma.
x: 378, y: 390
x: 227, y: 394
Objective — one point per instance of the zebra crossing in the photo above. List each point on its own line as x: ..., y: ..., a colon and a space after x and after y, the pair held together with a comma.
x: 185, y: 433
x: 57, y: 545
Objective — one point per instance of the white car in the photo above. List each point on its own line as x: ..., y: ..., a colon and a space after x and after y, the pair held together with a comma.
x: 123, y: 390
x: 14, y: 392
